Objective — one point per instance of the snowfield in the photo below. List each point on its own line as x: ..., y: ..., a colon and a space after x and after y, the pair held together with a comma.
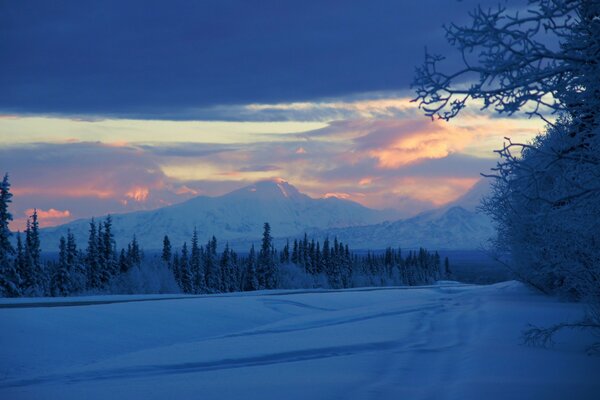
x: 448, y: 341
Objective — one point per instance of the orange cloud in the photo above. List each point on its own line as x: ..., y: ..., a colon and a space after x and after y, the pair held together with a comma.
x: 46, y: 218
x: 432, y: 140
x: 138, y: 193
x: 337, y: 195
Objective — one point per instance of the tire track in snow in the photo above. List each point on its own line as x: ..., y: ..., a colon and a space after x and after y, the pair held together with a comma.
x: 203, y: 366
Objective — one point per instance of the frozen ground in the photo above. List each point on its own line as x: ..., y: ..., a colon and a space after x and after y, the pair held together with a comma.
x: 449, y: 341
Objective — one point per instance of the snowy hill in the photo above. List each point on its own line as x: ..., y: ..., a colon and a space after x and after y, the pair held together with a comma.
x: 236, y: 217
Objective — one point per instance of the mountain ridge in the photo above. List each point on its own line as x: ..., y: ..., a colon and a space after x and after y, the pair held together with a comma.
x: 237, y: 215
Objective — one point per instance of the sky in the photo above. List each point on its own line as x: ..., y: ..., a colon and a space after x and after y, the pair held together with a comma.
x: 114, y: 106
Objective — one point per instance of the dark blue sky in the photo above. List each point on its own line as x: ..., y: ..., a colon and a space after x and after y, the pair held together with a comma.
x: 152, y: 59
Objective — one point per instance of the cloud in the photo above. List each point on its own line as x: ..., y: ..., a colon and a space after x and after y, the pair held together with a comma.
x: 181, y: 60
x: 260, y: 168
x: 88, y: 178
x: 407, y: 163
x: 48, y: 217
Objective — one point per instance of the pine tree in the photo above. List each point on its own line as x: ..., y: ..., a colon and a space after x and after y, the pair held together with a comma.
x: 124, y: 264
x: 447, y: 271
x: 197, y: 270
x: 226, y: 270
x: 10, y: 280
x: 267, y: 272
x: 250, y: 279
x: 295, y: 258
x: 211, y: 267
x: 32, y: 274
x: 166, y: 251
x: 108, y: 248
x: 6, y: 249
x: 176, y: 269
x: 91, y: 257
x: 285, y: 254
x: 61, y: 279
x: 184, y: 268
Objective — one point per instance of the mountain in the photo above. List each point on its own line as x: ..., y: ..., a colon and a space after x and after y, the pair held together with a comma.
x: 455, y: 226
x: 472, y: 199
x: 235, y: 217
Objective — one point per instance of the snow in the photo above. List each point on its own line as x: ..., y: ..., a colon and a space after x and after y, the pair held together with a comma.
x: 448, y: 341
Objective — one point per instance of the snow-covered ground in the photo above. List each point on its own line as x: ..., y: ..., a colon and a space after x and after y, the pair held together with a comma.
x: 449, y: 341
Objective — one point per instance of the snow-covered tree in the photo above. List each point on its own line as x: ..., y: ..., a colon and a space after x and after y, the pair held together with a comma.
x: 266, y: 268
x: 211, y: 266
x: 197, y: 270
x: 546, y: 195
x: 166, y: 251
x: 185, y: 274
x: 108, y: 246
x: 33, y: 279
x: 250, y: 281
x: 9, y: 277
x: 61, y: 277
x: 6, y: 249
x: 92, y: 257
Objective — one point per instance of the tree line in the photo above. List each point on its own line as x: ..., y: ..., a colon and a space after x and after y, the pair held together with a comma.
x: 195, y: 268
x: 200, y: 269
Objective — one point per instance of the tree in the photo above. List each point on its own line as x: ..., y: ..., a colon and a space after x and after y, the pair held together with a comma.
x: 511, y: 61
x: 250, y: 279
x: 166, y: 251
x: 546, y: 197
x: 108, y: 246
x: 197, y: 270
x: 211, y: 267
x: 61, y: 279
x: 9, y: 278
x: 32, y: 273
x: 267, y: 273
x: 92, y: 258
x: 184, y: 270
x: 6, y: 249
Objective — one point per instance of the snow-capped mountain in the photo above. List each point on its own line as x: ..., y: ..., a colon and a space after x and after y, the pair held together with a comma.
x: 457, y: 225
x: 235, y: 217
x: 452, y: 228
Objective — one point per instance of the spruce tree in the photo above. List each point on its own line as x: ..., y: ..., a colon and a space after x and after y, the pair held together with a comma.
x: 61, y: 278
x: 166, y: 251
x: 92, y: 259
x: 6, y: 249
x: 9, y: 277
x: 124, y: 264
x: 184, y: 270
x: 197, y: 270
x: 108, y: 248
x: 250, y: 278
x: 32, y: 274
x: 267, y: 272
x: 225, y: 265
x: 211, y: 266
x: 176, y: 269
x: 447, y: 271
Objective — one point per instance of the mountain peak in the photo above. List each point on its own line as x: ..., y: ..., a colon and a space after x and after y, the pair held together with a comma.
x: 276, y: 188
